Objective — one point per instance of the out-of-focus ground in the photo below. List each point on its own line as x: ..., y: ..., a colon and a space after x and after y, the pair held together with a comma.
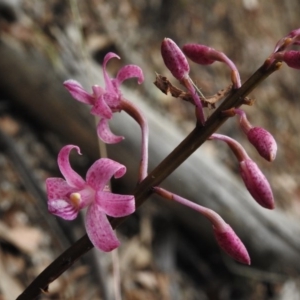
x: 247, y: 32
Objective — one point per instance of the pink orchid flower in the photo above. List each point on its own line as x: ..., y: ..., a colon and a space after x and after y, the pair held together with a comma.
x: 106, y: 101
x: 66, y: 197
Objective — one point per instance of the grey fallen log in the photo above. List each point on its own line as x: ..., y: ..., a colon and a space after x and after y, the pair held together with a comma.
x: 33, y: 85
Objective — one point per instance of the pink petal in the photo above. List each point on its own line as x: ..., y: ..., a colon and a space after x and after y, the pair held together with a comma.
x: 108, y: 85
x: 97, y: 91
x: 232, y: 245
x: 63, y: 209
x: 105, y: 134
x: 101, y: 172
x: 87, y: 196
x: 112, y: 100
x: 99, y: 229
x: 58, y: 188
x: 78, y: 92
x: 129, y: 71
x: 101, y: 108
x: 72, y: 178
x: 115, y: 205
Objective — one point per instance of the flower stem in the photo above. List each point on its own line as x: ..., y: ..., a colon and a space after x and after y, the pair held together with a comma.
x: 211, y: 215
x: 187, y: 82
x: 139, y: 117
x: 245, y: 124
x: 234, y: 145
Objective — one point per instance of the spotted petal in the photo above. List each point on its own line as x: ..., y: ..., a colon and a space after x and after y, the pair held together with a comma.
x: 63, y: 209
x: 105, y: 134
x: 97, y: 91
x: 127, y: 72
x: 108, y: 84
x: 112, y: 100
x: 99, y: 229
x: 101, y: 172
x: 58, y: 188
x: 72, y: 177
x: 58, y: 191
x: 101, y: 108
x: 115, y: 205
x: 78, y: 92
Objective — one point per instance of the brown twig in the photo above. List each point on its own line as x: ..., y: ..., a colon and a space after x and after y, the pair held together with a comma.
x: 167, y: 87
x: 189, y: 145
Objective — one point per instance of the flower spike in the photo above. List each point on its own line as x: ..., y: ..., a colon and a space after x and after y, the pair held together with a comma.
x: 67, y: 197
x: 224, y: 234
x: 254, y: 180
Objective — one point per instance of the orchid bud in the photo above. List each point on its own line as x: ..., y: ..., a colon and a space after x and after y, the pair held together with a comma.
x: 254, y: 180
x: 231, y: 244
x: 174, y: 59
x: 177, y: 63
x: 256, y: 183
x: 295, y: 35
x: 260, y: 138
x: 200, y: 54
x: 205, y: 55
x: 291, y: 39
x: 264, y: 142
x: 292, y: 59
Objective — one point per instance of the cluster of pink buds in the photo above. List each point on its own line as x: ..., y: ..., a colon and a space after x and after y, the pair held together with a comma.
x: 282, y: 52
x: 254, y: 180
x: 176, y: 61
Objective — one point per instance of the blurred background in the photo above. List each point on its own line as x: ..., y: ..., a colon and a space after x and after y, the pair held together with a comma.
x: 166, y: 252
